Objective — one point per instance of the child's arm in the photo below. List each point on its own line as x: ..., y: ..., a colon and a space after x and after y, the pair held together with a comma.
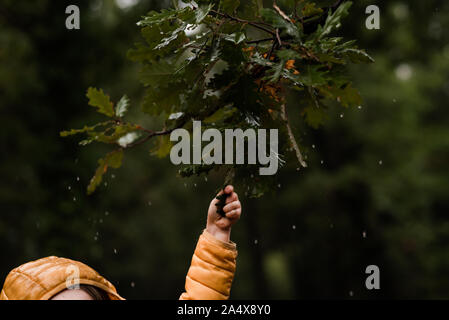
x: 213, y: 264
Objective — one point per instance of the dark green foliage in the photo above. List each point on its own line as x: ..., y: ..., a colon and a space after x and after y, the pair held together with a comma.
x: 216, y: 64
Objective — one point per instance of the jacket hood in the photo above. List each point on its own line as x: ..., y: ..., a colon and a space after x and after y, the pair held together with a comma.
x: 44, y: 278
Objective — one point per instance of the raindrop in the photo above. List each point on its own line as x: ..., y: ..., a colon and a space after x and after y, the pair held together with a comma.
x: 106, y: 213
x: 113, y: 176
x: 364, y: 234
x: 77, y: 178
x: 101, y: 220
x: 149, y: 203
x: 133, y: 284
x: 322, y: 161
x: 297, y: 169
x: 294, y: 227
x: 105, y: 184
x: 74, y: 199
x: 279, y: 185
x: 194, y: 185
x: 205, y: 179
x: 351, y: 293
x: 256, y: 241
x: 252, y: 176
x: 331, y: 226
x: 381, y: 162
x: 394, y: 100
x: 115, y: 251
x: 185, y: 185
x: 360, y: 107
x: 342, y: 115
x: 70, y: 188
x: 313, y: 146
x: 96, y: 238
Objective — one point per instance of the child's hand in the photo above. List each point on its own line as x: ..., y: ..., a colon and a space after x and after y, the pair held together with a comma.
x: 218, y: 226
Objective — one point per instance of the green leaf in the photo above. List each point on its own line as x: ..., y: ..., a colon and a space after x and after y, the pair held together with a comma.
x: 157, y: 74
x: 122, y: 106
x: 160, y: 100
x: 229, y: 6
x: 274, y: 18
x: 166, y: 15
x: 112, y: 160
x: 101, y: 101
x: 113, y: 134
x: 86, y: 129
x: 309, y: 76
x: 164, y: 146
x: 237, y: 37
x: 357, y: 56
x: 202, y: 12
x: 314, y: 116
x: 346, y: 95
x: 333, y: 21
x: 221, y: 115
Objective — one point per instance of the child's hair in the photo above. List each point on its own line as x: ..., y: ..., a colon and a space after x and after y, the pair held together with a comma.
x: 94, y: 292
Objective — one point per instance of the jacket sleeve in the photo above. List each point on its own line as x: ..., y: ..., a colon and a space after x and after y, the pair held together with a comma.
x: 211, y: 271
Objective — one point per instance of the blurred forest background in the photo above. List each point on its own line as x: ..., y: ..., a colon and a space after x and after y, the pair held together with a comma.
x: 376, y: 191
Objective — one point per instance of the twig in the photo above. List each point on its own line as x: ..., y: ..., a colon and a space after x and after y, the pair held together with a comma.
x: 292, y: 136
x: 281, y: 13
x: 278, y: 38
x: 251, y: 23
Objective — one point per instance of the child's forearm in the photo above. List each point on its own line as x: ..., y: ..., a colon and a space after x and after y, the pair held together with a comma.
x: 222, y: 235
x: 212, y: 269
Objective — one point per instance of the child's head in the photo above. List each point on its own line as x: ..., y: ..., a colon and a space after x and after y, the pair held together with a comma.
x: 56, y: 278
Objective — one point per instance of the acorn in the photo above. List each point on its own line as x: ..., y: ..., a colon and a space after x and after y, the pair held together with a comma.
x: 221, y: 203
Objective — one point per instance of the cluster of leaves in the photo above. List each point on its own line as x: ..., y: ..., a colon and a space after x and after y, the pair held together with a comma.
x: 231, y: 64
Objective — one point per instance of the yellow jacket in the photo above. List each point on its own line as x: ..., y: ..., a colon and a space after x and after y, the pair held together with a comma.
x: 209, y: 277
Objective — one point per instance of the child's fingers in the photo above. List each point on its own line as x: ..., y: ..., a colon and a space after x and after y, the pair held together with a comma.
x: 229, y: 189
x: 231, y: 198
x: 234, y: 214
x: 232, y: 206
